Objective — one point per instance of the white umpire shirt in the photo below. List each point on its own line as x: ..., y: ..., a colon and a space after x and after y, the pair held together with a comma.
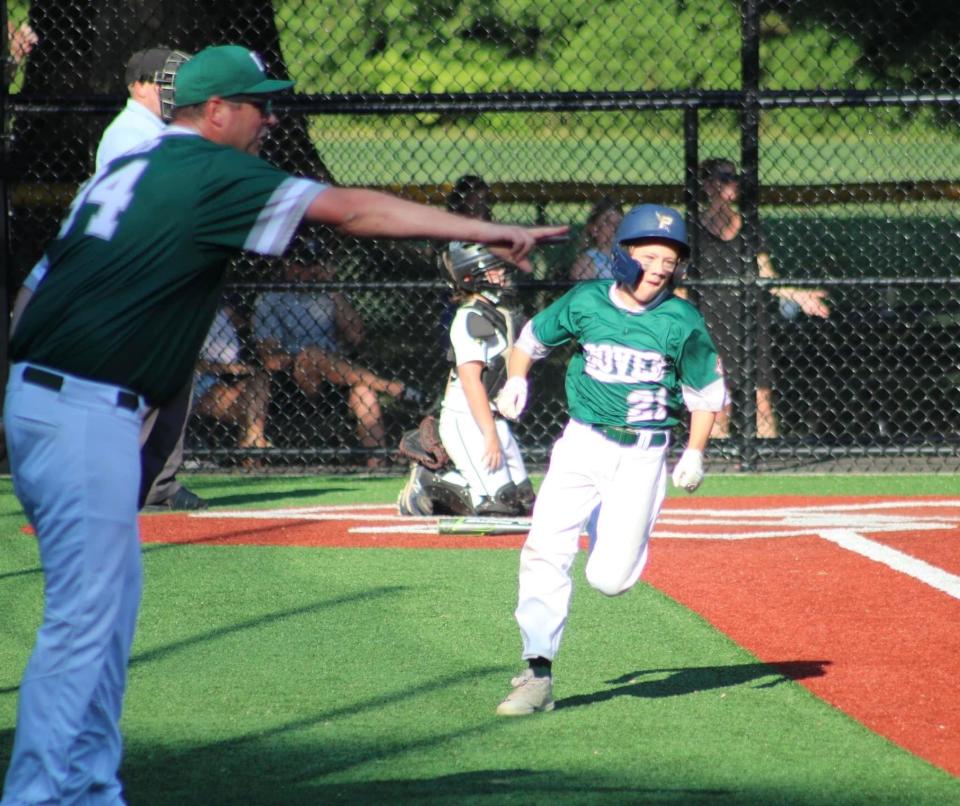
x: 134, y: 125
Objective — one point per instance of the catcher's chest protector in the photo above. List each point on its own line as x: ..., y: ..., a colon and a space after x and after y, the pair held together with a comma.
x: 492, y: 325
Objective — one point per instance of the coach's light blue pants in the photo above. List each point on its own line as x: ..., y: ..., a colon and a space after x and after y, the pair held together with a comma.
x: 75, y: 460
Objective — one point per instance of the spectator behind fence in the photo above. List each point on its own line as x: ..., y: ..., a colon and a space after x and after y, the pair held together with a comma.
x: 720, y: 241
x: 21, y: 39
x: 594, y: 262
x: 308, y: 332
x: 229, y: 389
x: 470, y: 196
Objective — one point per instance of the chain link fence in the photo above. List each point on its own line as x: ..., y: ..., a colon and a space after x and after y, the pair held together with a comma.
x: 812, y: 146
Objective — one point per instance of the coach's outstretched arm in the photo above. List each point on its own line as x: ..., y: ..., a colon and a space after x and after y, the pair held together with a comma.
x: 369, y: 213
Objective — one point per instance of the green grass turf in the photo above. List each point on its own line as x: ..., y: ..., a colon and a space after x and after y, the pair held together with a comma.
x: 289, y: 675
x: 369, y: 153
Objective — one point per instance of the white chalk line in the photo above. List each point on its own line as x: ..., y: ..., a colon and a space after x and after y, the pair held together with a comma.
x: 669, y: 511
x: 756, y: 523
x: 897, y: 560
x: 840, y: 524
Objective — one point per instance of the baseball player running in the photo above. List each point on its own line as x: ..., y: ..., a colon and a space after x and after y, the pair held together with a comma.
x: 135, y: 278
x: 488, y: 475
x: 644, y: 353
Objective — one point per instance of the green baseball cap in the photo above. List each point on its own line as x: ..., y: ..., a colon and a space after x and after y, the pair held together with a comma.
x: 223, y: 70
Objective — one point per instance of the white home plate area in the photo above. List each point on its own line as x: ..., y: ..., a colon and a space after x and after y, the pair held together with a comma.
x: 862, y: 526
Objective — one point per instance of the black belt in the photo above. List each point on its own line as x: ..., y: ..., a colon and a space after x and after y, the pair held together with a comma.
x: 50, y: 380
x: 630, y: 436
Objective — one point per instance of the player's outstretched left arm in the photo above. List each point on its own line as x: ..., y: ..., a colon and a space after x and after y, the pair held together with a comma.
x: 370, y: 214
x: 688, y: 472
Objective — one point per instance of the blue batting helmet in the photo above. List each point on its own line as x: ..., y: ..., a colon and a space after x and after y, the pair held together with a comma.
x: 652, y: 222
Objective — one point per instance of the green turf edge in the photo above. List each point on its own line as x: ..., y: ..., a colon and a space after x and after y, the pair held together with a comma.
x: 237, y: 491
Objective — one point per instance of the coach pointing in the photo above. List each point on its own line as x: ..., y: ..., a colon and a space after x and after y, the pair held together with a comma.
x: 135, y: 278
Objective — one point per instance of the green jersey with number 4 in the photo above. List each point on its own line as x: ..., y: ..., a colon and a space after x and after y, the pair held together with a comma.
x: 136, y: 272
x: 632, y: 367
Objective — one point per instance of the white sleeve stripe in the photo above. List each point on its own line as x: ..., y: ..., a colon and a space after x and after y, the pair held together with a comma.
x: 530, y: 344
x: 711, y: 398
x: 281, y: 215
x: 37, y: 273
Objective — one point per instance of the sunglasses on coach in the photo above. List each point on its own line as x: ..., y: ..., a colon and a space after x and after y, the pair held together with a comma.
x: 263, y: 105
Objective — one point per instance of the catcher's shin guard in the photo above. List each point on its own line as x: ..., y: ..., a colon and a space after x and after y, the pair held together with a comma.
x: 526, y: 496
x: 446, y: 497
x: 504, y: 502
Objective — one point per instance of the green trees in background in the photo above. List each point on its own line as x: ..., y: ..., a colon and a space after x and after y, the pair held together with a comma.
x: 910, y: 43
x: 453, y: 46
x: 580, y: 45
x: 404, y: 46
x: 511, y: 45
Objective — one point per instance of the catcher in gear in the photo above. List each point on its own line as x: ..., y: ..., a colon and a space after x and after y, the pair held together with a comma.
x: 467, y: 462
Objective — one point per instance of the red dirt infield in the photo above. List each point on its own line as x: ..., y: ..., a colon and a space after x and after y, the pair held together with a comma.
x: 868, y: 586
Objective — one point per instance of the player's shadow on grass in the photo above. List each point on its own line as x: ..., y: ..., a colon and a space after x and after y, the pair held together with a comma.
x: 267, y: 534
x: 512, y: 784
x: 276, y: 497
x: 160, y: 652
x: 677, y: 682
x: 22, y: 573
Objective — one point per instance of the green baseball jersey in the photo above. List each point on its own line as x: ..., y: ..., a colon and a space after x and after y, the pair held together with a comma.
x: 136, y: 272
x: 631, y: 367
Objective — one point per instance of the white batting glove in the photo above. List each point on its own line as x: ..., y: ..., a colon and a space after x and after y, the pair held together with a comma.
x: 688, y: 472
x: 513, y: 397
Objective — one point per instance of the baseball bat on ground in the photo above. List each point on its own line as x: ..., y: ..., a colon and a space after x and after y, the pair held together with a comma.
x: 478, y: 525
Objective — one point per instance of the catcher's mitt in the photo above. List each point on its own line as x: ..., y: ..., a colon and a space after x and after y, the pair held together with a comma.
x: 423, y: 445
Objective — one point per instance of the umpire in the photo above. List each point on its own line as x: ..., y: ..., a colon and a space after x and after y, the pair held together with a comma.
x: 135, y: 277
x: 149, y: 77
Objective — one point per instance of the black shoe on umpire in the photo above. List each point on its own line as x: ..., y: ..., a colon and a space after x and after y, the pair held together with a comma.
x: 181, y: 501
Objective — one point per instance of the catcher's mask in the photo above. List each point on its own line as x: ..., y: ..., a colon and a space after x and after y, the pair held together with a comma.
x: 164, y: 79
x: 467, y: 265
x: 649, y: 222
